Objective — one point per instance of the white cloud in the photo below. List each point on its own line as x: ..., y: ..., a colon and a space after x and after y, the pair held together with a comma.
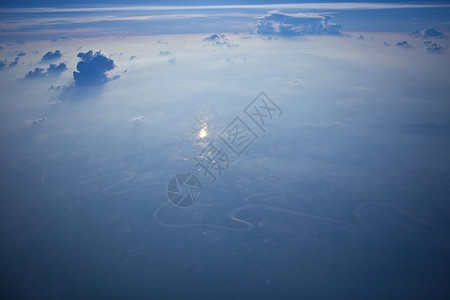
x: 296, y: 24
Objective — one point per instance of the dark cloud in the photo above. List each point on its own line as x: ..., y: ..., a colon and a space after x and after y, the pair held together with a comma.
x: 51, y: 55
x: 92, y: 68
x: 432, y: 47
x: 296, y: 24
x: 429, y: 32
x: 2, y: 64
x: 403, y: 44
x: 133, y: 57
x: 52, y: 70
x: 361, y: 37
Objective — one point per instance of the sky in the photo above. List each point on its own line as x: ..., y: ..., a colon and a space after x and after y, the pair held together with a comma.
x: 343, y: 192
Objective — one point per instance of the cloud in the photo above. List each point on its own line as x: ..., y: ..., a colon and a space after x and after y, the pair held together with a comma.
x: 432, y: 47
x: 53, y: 70
x: 56, y: 70
x: 36, y: 122
x: 15, y: 62
x: 403, y: 44
x: 296, y: 24
x: 61, y: 38
x: 219, y: 40
x: 51, y: 55
x: 165, y: 53
x: 4, y: 63
x: 92, y: 68
x: 37, y: 73
x: 429, y: 32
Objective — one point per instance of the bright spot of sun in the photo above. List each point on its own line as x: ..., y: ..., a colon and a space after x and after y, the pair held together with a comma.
x: 203, y: 133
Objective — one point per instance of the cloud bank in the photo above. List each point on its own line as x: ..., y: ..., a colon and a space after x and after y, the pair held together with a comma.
x: 296, y: 24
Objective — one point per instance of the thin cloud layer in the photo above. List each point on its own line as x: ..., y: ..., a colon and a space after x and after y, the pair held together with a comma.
x: 296, y: 24
x: 92, y: 68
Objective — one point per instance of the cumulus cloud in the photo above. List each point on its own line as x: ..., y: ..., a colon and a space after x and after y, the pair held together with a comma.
x: 51, y: 55
x: 429, y: 32
x: 53, y: 70
x: 219, y: 40
x: 296, y: 24
x: 432, y: 47
x: 92, y: 68
x: 403, y: 44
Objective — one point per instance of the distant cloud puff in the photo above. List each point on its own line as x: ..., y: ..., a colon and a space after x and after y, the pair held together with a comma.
x: 296, y: 24
x: 51, y: 55
x: 432, y: 47
x: 429, y: 32
x: 219, y: 40
x: 133, y: 57
x: 403, y: 44
x: 138, y: 120
x: 61, y: 38
x: 165, y: 53
x: 2, y: 64
x: 36, y: 122
x: 53, y: 70
x: 92, y: 68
